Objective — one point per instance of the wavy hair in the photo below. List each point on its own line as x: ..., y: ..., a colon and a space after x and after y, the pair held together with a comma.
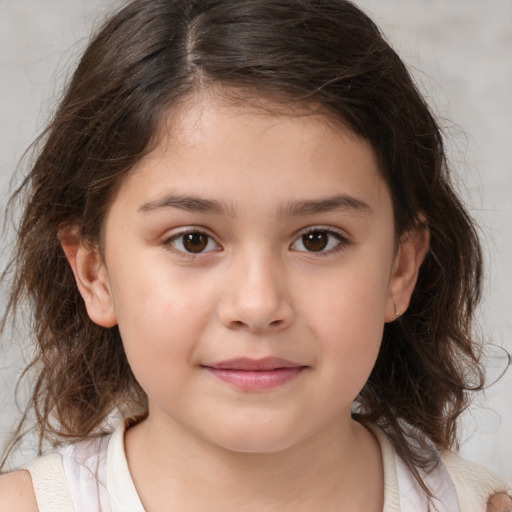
x: 327, y: 54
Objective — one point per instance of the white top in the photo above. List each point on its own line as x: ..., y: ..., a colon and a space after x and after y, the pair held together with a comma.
x: 93, y: 476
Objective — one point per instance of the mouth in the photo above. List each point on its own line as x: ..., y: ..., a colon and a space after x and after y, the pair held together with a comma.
x: 255, y: 374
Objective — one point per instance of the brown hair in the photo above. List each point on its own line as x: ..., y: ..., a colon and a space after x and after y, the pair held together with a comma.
x: 147, y: 58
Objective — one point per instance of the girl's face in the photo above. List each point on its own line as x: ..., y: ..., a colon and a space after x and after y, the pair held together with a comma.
x: 250, y: 262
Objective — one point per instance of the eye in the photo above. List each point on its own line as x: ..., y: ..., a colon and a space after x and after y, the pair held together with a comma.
x: 319, y: 240
x: 193, y: 242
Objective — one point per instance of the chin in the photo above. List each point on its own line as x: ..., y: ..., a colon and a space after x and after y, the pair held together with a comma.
x: 257, y: 445
x: 255, y: 439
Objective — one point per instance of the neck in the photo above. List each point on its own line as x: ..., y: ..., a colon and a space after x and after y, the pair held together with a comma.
x: 173, y: 469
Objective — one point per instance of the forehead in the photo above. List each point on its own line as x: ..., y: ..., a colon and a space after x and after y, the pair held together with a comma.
x: 215, y: 147
x: 218, y: 103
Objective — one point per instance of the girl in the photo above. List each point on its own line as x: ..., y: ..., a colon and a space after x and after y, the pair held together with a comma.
x: 240, y: 234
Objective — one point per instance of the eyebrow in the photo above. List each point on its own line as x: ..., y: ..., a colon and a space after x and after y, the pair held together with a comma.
x: 341, y: 202
x: 187, y: 203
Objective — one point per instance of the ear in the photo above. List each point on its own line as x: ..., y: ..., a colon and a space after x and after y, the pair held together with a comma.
x: 410, y: 255
x: 91, y: 277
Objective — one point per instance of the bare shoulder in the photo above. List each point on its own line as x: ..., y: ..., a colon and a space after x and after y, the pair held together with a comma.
x: 499, y: 503
x: 17, y: 492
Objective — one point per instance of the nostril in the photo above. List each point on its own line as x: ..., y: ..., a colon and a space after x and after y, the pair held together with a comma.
x: 238, y: 313
x: 237, y: 324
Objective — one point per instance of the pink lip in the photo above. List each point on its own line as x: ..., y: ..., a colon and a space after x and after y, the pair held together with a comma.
x: 255, y: 374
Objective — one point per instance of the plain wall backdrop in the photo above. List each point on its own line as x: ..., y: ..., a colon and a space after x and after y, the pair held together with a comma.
x: 460, y: 52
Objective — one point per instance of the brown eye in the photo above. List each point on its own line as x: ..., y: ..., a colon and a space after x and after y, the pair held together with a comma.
x: 193, y: 242
x: 315, y: 241
x: 319, y: 240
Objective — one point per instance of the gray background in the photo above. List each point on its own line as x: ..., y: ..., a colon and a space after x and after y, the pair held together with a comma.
x: 461, y: 54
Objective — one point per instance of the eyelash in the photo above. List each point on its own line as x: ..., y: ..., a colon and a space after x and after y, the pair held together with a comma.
x: 341, y: 244
x: 168, y: 243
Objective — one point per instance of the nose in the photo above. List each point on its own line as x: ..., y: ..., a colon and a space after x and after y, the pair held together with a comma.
x: 255, y: 296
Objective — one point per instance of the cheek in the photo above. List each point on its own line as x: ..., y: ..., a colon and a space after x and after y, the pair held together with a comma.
x: 161, y: 319
x: 348, y: 322
x: 351, y: 302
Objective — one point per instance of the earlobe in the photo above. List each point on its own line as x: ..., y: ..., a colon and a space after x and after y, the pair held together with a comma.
x: 91, y: 278
x: 410, y: 255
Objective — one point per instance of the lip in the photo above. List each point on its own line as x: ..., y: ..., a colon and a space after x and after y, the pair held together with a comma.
x: 255, y: 374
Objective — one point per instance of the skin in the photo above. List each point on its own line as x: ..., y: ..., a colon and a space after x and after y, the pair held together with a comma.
x: 499, y: 503
x: 261, y: 182
x: 254, y: 184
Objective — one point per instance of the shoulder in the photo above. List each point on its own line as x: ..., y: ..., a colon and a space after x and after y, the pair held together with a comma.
x: 17, y: 492
x: 40, y: 481
x: 463, y: 470
x: 499, y: 503
x: 474, y: 483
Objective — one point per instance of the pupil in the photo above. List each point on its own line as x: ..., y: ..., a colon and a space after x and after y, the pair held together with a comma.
x: 195, y: 242
x: 315, y: 241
